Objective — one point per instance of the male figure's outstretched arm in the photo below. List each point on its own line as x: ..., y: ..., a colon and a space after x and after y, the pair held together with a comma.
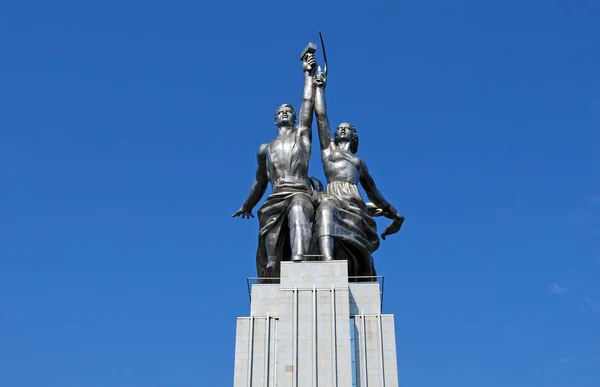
x: 321, y: 112
x: 259, y: 185
x: 305, y: 116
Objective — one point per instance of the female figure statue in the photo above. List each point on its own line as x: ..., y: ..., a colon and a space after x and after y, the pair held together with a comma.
x: 343, y: 227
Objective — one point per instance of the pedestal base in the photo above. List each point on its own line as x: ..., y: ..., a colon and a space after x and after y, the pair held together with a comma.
x: 314, y: 328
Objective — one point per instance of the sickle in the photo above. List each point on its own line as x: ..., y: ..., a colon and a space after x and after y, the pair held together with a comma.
x: 324, y: 53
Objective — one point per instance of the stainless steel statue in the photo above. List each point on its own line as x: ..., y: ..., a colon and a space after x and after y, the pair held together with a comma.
x: 286, y: 215
x: 343, y: 226
x: 298, y: 219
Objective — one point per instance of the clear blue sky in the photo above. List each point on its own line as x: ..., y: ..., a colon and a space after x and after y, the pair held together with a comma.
x: 128, y: 133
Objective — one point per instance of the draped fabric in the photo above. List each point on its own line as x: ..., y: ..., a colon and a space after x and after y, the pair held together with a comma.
x: 343, y: 215
x: 273, y: 222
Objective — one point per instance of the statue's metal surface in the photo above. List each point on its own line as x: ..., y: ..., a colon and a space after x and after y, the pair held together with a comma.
x: 286, y: 215
x: 298, y: 219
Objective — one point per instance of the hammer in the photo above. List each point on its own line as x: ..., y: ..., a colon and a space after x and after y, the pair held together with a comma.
x: 310, y: 48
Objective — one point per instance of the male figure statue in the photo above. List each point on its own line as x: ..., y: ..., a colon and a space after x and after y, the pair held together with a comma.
x: 284, y: 218
x: 344, y: 228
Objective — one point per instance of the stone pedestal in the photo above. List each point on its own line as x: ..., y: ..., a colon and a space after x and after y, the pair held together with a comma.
x: 315, y: 328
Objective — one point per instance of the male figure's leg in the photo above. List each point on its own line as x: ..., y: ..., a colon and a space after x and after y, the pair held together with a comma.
x: 273, y: 254
x: 300, y: 214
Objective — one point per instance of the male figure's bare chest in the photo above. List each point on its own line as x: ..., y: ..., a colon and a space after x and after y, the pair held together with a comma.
x: 285, y: 149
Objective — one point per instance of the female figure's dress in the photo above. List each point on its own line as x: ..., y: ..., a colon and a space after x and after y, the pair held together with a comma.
x: 343, y: 215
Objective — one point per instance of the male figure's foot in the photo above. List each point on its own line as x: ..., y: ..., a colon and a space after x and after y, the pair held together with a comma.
x: 328, y: 258
x: 298, y: 258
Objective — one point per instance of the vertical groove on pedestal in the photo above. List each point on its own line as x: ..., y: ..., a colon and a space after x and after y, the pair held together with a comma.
x: 364, y: 336
x: 267, y: 348
x: 381, y: 358
x: 275, y: 352
x: 334, y: 337
x: 295, y: 343
x: 251, y: 350
x: 314, y: 331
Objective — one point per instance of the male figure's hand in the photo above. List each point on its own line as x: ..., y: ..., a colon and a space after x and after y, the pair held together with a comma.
x: 245, y: 213
x: 309, y: 63
x: 321, y: 79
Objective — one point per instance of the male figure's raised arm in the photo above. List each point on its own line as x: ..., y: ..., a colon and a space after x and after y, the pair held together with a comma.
x: 368, y: 184
x: 305, y: 116
x: 321, y: 112
x: 259, y: 185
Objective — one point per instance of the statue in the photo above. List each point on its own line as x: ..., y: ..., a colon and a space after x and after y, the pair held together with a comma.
x: 298, y: 218
x: 343, y: 226
x: 286, y: 215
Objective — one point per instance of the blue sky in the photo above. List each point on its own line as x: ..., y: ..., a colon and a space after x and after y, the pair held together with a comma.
x: 128, y: 136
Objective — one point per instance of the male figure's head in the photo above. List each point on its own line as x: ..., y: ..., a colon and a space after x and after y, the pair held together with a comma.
x: 285, y: 116
x: 347, y: 132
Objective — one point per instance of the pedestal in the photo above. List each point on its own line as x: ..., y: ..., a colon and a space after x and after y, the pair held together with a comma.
x: 315, y: 328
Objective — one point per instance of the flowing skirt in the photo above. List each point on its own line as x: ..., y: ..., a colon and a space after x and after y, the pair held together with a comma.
x: 342, y: 214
